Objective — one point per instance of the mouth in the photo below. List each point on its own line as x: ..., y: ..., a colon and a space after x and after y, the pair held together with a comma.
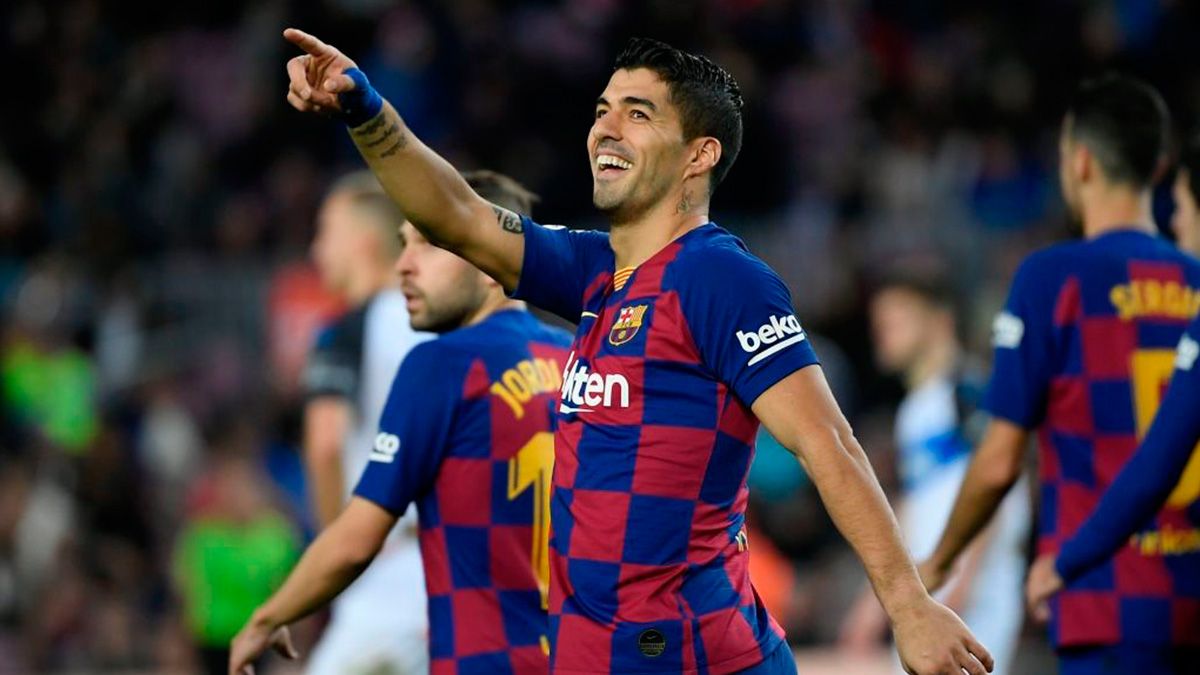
x: 609, y: 166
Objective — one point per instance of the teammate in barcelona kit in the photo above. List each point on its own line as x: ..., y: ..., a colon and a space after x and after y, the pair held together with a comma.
x: 685, y: 342
x: 466, y: 434
x: 1082, y: 350
x: 1166, y: 467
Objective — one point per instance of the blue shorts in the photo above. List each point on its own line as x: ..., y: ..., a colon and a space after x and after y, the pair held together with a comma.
x: 779, y: 662
x: 1129, y: 659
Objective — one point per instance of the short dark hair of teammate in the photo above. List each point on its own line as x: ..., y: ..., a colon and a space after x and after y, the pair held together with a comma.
x: 1125, y: 123
x: 707, y: 96
x: 501, y: 190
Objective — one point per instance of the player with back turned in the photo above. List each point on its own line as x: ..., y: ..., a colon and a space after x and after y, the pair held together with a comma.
x: 1082, y: 350
x: 685, y: 342
x: 1166, y: 467
x: 466, y: 435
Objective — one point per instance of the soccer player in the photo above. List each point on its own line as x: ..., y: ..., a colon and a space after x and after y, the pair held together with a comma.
x: 1166, y: 467
x: 380, y: 620
x: 684, y: 339
x: 466, y: 434
x: 1081, y: 351
x: 914, y: 326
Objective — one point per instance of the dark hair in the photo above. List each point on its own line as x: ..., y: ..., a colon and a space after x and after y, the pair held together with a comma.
x: 501, y: 190
x: 707, y: 96
x: 931, y: 287
x: 1126, y: 125
x: 1189, y: 160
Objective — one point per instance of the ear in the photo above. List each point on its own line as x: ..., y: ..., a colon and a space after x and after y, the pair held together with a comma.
x: 704, y: 153
x: 1083, y: 163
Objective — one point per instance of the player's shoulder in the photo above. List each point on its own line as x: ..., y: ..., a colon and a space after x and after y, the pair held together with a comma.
x: 551, y: 335
x: 716, y: 258
x: 343, y: 331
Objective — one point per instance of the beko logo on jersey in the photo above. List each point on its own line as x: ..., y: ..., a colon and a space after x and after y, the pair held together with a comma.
x: 386, y: 447
x: 581, y: 388
x: 777, y: 334
x: 1189, y: 351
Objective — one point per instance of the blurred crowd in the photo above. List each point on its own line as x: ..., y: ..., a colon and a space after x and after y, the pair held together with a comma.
x: 157, y: 202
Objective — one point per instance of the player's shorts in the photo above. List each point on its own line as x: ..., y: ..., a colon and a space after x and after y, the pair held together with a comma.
x: 379, y: 624
x: 1123, y: 659
x: 779, y: 662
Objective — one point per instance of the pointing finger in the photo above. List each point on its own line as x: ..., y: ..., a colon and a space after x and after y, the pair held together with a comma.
x: 308, y: 43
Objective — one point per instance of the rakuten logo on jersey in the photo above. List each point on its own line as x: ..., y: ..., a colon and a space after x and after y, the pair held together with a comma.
x: 771, y: 337
x: 583, y: 390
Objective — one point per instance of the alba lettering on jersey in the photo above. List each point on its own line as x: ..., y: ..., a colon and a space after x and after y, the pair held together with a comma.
x: 1154, y: 298
x: 775, y: 335
x: 519, y: 384
x: 581, y: 388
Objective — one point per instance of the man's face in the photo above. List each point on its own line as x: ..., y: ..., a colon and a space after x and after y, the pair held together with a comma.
x: 1185, y: 222
x: 901, y: 325
x: 442, y: 289
x: 636, y: 144
x: 338, y: 242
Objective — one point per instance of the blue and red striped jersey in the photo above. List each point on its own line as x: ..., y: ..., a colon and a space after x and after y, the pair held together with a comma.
x: 467, y: 433
x: 648, y: 546
x: 1083, y: 351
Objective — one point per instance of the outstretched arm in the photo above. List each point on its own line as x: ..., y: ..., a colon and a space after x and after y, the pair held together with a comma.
x: 801, y: 413
x: 432, y: 194
x: 333, y: 561
x: 993, y: 471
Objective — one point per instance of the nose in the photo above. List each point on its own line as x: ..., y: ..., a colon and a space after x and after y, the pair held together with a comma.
x: 405, y: 263
x: 606, y: 128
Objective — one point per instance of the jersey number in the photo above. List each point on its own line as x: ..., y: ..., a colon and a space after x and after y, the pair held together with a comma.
x: 1152, y: 369
x: 530, y: 468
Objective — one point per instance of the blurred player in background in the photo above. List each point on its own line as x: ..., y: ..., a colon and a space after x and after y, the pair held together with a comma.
x: 466, y: 435
x: 1166, y: 467
x: 684, y: 339
x: 380, y: 620
x: 1082, y: 349
x: 915, y: 332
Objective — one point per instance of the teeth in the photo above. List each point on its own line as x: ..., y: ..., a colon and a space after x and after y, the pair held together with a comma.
x: 612, y: 160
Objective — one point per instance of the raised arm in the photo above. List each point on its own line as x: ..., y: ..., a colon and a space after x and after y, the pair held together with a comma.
x: 432, y: 194
x: 801, y: 413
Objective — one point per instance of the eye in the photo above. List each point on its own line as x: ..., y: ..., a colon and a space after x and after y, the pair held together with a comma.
x: 639, y: 115
x: 600, y: 112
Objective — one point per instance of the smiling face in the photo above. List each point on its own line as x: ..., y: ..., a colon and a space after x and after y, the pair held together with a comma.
x: 636, y: 145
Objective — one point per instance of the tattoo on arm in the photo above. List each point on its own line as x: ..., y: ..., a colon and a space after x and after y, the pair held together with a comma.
x: 509, y: 221
x: 366, y: 135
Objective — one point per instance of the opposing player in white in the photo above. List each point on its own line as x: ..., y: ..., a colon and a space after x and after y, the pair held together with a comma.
x: 379, y: 623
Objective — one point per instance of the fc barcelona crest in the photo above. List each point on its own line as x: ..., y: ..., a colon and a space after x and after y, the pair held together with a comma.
x: 629, y: 320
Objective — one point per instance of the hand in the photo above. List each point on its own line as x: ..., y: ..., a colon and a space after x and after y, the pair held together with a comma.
x: 254, y: 639
x: 933, y: 575
x: 932, y: 640
x: 864, y: 626
x: 1042, y: 584
x: 318, y: 76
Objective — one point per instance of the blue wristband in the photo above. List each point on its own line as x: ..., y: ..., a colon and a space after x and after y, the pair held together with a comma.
x: 362, y: 103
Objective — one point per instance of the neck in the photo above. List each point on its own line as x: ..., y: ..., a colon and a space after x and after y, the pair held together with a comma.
x: 935, y: 362
x: 495, y: 301
x: 635, y: 239
x: 368, y: 282
x: 1117, y: 208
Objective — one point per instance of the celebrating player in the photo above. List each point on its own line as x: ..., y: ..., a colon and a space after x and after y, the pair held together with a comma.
x: 379, y: 621
x: 684, y: 340
x: 1082, y: 349
x: 1166, y: 467
x: 466, y: 434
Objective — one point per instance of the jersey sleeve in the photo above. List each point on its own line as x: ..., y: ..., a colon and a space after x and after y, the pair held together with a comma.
x: 1148, y: 478
x: 334, y: 363
x: 559, y: 263
x: 414, y: 428
x: 1022, y: 340
x: 740, y: 315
